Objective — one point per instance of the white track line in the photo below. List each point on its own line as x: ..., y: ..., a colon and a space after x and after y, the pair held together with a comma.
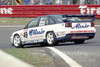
x: 66, y: 58
x: 7, y: 60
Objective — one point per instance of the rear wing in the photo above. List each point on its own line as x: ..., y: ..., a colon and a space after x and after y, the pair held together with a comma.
x: 81, y: 16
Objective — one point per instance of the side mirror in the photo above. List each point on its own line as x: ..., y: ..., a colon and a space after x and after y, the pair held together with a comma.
x: 26, y: 26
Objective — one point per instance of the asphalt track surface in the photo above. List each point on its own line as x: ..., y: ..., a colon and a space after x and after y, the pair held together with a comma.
x: 87, y: 54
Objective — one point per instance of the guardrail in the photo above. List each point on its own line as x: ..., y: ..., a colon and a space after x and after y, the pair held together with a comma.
x: 39, y: 10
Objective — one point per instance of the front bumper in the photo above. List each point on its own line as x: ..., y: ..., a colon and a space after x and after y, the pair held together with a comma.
x: 11, y: 39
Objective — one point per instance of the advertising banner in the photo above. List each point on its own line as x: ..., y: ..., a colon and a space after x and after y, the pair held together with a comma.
x: 39, y: 10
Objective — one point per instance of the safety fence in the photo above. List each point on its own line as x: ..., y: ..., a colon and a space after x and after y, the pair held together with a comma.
x: 39, y: 10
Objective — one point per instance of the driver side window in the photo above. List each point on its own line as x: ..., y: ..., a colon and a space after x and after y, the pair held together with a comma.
x: 43, y: 21
x: 33, y: 23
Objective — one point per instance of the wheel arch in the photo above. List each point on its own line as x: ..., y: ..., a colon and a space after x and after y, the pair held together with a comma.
x: 48, y: 32
x: 15, y: 35
x: 20, y: 45
x: 55, y: 42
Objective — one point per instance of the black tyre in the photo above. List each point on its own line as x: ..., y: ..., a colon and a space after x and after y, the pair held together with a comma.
x: 43, y: 44
x: 17, y: 42
x: 79, y: 41
x: 51, y: 39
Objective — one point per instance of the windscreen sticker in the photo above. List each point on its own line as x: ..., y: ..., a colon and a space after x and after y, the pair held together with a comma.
x: 36, y: 32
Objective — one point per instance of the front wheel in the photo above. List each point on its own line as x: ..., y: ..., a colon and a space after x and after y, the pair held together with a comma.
x: 51, y: 39
x: 79, y: 41
x: 17, y: 42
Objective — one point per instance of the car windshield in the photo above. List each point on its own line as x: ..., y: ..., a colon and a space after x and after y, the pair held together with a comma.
x: 62, y: 19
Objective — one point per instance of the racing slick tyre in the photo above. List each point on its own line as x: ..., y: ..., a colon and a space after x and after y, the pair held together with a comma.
x: 51, y: 39
x: 17, y: 42
x: 79, y: 41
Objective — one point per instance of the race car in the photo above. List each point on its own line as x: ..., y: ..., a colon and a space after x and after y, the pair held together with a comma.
x: 52, y: 29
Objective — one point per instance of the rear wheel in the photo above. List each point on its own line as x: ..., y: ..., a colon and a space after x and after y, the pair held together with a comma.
x: 79, y: 41
x: 51, y: 39
x: 17, y: 42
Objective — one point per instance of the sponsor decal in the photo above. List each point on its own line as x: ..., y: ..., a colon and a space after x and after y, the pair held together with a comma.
x: 89, y: 10
x: 61, y: 33
x: 36, y: 36
x: 36, y: 32
x: 80, y: 26
x: 33, y: 41
x: 84, y: 31
x: 80, y: 37
x: 6, y: 11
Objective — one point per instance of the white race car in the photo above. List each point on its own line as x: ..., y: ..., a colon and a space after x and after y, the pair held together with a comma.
x: 52, y: 29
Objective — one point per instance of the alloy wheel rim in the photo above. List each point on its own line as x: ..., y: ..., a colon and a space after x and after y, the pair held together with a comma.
x: 50, y: 38
x: 16, y: 40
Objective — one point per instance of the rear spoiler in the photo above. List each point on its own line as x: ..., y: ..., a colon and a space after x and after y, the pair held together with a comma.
x: 78, y: 15
x: 92, y: 16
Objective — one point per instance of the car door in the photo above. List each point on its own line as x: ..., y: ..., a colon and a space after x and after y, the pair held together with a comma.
x: 35, y: 31
x: 42, y: 25
x: 30, y: 31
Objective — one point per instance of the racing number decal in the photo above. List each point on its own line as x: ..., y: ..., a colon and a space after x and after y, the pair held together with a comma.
x: 25, y: 34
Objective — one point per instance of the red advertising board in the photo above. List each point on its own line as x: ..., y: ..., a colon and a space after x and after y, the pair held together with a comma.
x: 39, y: 10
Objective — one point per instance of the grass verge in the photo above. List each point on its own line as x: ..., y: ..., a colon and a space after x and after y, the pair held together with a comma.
x: 36, y: 57
x: 14, y: 21
x: 24, y: 21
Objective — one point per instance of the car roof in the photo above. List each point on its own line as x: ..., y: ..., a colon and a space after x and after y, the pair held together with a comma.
x: 49, y: 15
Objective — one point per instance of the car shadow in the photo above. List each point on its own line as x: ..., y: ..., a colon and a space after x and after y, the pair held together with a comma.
x: 33, y: 46
x: 60, y: 44
x: 87, y: 43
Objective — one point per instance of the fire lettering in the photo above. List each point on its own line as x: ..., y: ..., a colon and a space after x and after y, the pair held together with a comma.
x: 89, y: 10
x: 6, y: 11
x: 82, y: 9
x: 98, y: 11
